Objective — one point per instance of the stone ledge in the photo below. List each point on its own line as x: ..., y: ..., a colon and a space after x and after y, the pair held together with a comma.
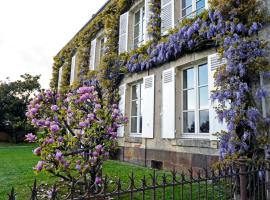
x: 203, y: 143
x: 133, y: 140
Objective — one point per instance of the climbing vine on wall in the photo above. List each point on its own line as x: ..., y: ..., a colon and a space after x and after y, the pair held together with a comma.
x: 230, y: 26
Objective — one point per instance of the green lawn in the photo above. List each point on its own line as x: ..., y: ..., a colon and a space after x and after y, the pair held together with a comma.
x: 17, y: 161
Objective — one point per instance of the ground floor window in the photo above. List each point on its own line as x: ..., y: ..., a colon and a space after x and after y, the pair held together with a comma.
x: 136, y: 116
x: 195, y: 112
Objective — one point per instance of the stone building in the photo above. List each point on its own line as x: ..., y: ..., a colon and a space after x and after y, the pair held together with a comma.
x: 172, y: 122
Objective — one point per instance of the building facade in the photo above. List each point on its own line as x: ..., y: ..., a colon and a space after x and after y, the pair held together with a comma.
x: 172, y: 121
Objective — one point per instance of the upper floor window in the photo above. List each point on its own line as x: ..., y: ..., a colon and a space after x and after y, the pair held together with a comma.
x: 102, y: 48
x: 136, y: 116
x: 195, y: 100
x: 60, y: 72
x: 138, y: 27
x: 192, y: 7
x: 73, y: 69
x: 97, y: 51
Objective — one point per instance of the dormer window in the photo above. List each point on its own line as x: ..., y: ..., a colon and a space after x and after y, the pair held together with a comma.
x: 138, y: 27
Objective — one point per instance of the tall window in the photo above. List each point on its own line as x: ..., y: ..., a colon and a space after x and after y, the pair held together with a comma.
x: 195, y: 100
x: 136, y: 116
x: 73, y: 69
x: 192, y: 7
x: 102, y: 48
x: 138, y: 27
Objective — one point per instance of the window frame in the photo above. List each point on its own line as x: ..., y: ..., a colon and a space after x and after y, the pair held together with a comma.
x: 141, y: 36
x: 197, y: 109
x: 139, y: 113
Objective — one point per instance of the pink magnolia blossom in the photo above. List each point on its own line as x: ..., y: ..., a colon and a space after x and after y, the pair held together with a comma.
x: 30, y: 137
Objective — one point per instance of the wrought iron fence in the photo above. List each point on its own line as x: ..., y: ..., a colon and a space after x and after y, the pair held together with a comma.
x: 234, y: 182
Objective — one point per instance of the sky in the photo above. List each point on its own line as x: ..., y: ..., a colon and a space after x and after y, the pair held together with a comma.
x: 32, y: 32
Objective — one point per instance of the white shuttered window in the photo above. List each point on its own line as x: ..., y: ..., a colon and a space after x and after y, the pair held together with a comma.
x: 195, y: 101
x: 167, y: 15
x: 148, y: 90
x: 123, y: 33
x: 168, y: 103
x: 136, y: 115
x: 139, y: 28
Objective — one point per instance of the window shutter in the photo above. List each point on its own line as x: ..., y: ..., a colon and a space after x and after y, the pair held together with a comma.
x: 73, y: 68
x: 122, y: 93
x: 214, y: 63
x: 147, y: 106
x: 168, y: 103
x: 92, y: 61
x: 147, y: 16
x: 123, y: 33
x: 60, y: 72
x: 167, y: 15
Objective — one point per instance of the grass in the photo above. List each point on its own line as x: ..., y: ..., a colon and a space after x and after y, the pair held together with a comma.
x: 17, y: 161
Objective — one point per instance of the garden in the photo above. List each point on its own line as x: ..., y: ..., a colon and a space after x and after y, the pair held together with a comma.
x: 73, y: 133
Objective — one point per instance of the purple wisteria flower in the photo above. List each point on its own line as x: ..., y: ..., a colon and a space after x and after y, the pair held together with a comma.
x: 54, y: 107
x: 54, y: 128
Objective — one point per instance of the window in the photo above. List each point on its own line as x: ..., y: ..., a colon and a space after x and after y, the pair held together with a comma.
x: 73, y: 69
x: 191, y: 7
x: 102, y: 48
x: 195, y: 100
x: 138, y: 28
x: 60, y: 72
x: 136, y: 116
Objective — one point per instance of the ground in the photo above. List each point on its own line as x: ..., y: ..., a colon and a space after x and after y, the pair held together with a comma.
x: 16, y: 170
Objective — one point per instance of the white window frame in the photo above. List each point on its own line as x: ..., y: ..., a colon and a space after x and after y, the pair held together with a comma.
x: 141, y: 26
x: 196, y: 109
x: 139, y: 113
x: 194, y: 8
x: 101, y: 49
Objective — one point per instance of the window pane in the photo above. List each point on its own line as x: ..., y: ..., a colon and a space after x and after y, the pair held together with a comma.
x: 203, y: 97
x: 134, y: 108
x: 135, y: 92
x: 187, y: 12
x: 137, y: 17
x: 189, y: 78
x: 134, y: 124
x: 203, y: 74
x: 189, y: 122
x: 189, y: 99
x: 204, y: 121
x: 186, y: 3
x: 200, y: 4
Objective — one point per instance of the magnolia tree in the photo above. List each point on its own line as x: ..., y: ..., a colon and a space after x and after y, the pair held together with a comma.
x: 77, y: 131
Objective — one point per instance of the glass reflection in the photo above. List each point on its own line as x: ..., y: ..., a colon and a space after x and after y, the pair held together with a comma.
x: 189, y: 122
x: 204, y: 122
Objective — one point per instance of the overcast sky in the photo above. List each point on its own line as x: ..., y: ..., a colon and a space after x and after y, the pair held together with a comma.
x: 33, y: 31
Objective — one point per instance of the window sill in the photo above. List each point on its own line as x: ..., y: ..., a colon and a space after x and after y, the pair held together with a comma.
x: 133, y: 139
x: 198, y: 143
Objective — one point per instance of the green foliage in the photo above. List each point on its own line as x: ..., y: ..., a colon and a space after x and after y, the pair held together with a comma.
x: 14, y: 97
